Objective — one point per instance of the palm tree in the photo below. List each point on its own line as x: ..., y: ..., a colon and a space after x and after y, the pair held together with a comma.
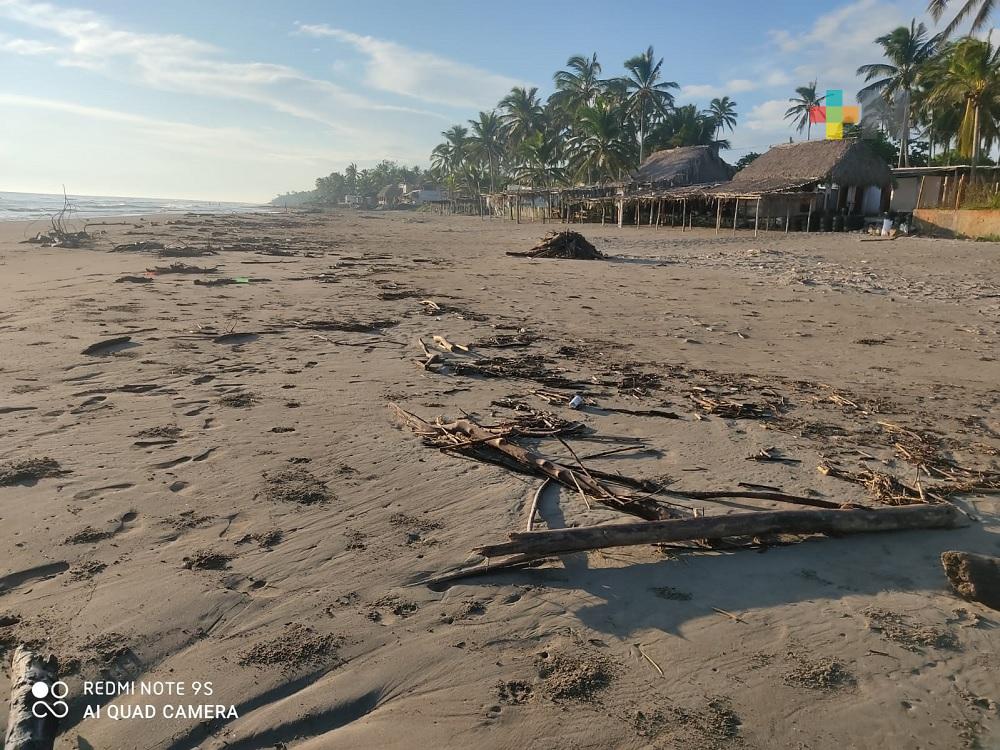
x: 970, y: 75
x: 907, y: 52
x: 647, y: 93
x: 539, y: 161
x: 983, y: 10
x: 351, y: 176
x: 599, y: 145
x: 685, y: 126
x: 579, y: 85
x: 450, y: 157
x: 802, y: 106
x: 487, y: 142
x: 723, y: 113
x: 522, y: 113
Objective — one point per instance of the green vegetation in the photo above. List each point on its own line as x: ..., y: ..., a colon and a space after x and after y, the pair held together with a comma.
x: 333, y: 188
x: 591, y: 129
x: 595, y: 129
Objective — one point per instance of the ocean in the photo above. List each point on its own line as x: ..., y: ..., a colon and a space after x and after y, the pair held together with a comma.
x: 27, y: 206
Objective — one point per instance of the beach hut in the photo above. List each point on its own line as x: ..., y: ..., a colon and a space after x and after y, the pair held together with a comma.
x: 684, y: 165
x: 389, y: 196
x: 836, y: 178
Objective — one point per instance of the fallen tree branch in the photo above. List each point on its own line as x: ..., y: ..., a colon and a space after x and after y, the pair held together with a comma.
x: 853, y: 521
x: 489, y: 446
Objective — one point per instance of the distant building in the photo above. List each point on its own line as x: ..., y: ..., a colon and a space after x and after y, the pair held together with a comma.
x: 419, y: 196
x: 389, y: 196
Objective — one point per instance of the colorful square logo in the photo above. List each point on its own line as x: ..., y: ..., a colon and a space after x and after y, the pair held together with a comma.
x: 834, y: 114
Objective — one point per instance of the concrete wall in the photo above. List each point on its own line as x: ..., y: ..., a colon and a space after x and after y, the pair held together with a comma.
x: 958, y: 223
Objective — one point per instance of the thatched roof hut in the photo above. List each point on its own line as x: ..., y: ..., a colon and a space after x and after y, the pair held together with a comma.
x: 797, y: 166
x: 684, y: 165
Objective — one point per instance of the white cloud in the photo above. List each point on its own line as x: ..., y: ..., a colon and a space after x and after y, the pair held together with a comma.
x: 844, y: 38
x: 767, y: 116
x: 431, y: 78
x: 176, y: 63
x: 189, y: 138
x: 26, y: 47
x: 698, y: 91
x: 741, y: 84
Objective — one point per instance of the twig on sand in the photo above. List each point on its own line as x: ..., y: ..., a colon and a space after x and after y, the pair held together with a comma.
x: 533, y: 508
x: 648, y: 658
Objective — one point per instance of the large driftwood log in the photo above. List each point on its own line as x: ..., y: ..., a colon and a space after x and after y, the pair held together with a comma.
x: 24, y: 730
x: 974, y: 577
x: 943, y: 516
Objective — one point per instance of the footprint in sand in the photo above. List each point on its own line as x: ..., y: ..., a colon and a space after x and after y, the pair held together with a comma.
x: 39, y: 573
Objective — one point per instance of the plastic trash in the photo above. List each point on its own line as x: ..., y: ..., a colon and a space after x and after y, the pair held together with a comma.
x: 576, y: 402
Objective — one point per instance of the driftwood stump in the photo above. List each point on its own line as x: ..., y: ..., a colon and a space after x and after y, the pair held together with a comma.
x: 25, y: 731
x: 974, y: 577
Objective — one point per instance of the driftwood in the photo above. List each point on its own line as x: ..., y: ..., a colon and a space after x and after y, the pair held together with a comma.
x: 24, y: 730
x: 182, y: 268
x: 467, y: 435
x: 974, y: 577
x: 853, y: 521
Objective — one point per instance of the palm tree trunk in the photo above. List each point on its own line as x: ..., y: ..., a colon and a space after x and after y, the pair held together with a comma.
x: 642, y: 134
x: 904, y: 138
x: 975, y: 144
x: 809, y: 128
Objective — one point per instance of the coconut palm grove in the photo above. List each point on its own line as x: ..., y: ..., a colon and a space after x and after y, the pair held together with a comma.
x: 932, y: 99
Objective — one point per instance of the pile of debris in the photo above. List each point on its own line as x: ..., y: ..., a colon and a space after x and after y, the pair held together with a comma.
x: 569, y: 245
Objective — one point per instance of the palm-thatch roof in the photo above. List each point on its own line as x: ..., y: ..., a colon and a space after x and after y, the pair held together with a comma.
x: 684, y: 165
x: 796, y: 165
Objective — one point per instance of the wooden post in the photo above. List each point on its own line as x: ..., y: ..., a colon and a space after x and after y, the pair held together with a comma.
x: 638, y: 204
x: 602, y: 212
x: 788, y: 216
x: 24, y: 730
x: 718, y: 215
x: 809, y: 216
x: 621, y: 212
x: 736, y: 211
x: 684, y: 207
x: 958, y: 190
x: 651, y: 213
x: 756, y: 217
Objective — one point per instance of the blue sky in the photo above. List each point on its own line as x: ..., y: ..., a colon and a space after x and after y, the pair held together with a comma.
x: 228, y: 100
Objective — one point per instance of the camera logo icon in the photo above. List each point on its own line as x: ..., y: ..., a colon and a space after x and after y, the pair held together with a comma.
x: 49, y: 700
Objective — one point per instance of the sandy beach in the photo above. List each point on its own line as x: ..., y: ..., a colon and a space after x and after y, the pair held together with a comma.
x: 229, y: 498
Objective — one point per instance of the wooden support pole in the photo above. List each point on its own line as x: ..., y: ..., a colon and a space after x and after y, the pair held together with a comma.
x: 809, y: 216
x: 852, y: 521
x: 24, y: 730
x: 718, y: 215
x: 638, y: 204
x: 684, y: 208
x: 621, y: 212
x: 788, y: 216
x: 756, y: 217
x: 736, y: 211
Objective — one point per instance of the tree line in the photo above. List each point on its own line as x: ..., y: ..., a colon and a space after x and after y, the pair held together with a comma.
x: 595, y: 129
x: 947, y: 91
x: 590, y: 129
